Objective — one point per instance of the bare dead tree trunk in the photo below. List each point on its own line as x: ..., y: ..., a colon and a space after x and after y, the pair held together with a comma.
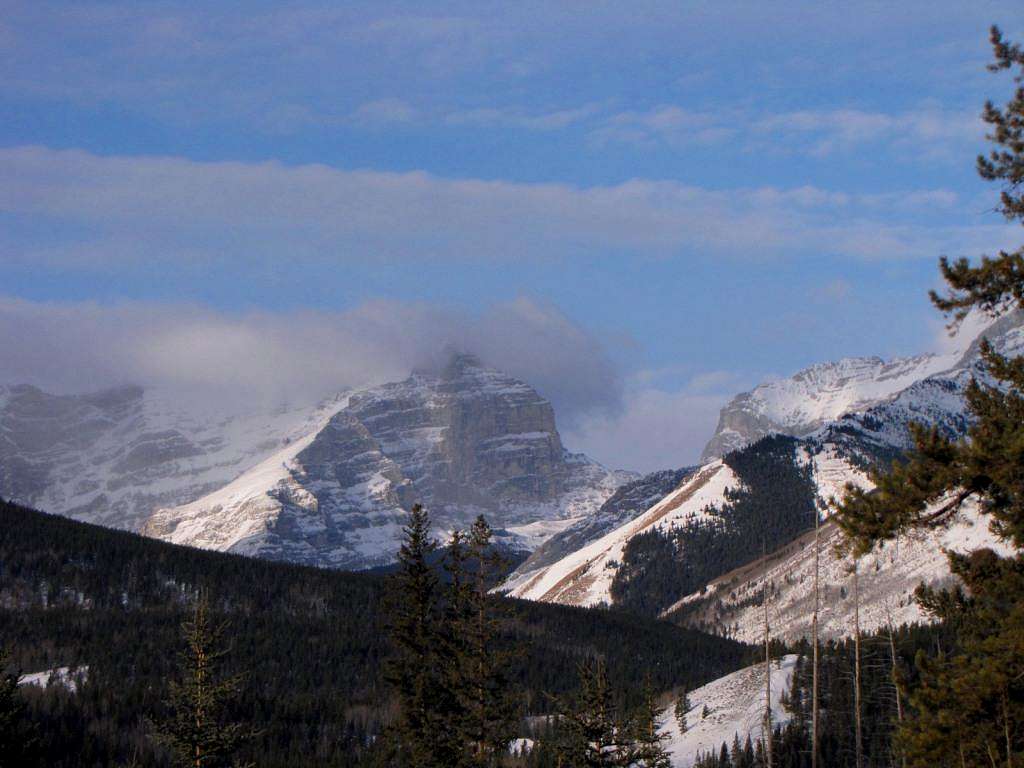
x: 896, y: 679
x: 814, y: 641
x: 767, y: 664
x: 1006, y: 728
x: 856, y: 664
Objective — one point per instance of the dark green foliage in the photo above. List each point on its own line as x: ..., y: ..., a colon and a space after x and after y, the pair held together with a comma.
x: 775, y: 505
x: 310, y: 640
x: 647, y: 748
x: 592, y: 734
x: 792, y: 743
x: 682, y: 706
x: 456, y: 705
x: 969, y: 705
x: 592, y: 730
x: 970, y: 701
x: 419, y: 666
x: 195, y: 729
x: 18, y: 740
x: 487, y: 701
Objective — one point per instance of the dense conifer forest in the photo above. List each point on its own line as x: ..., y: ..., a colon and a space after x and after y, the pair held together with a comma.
x: 775, y: 505
x: 888, y: 668
x: 310, y: 644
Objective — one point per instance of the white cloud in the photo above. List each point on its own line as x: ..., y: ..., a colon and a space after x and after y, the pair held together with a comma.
x: 656, y: 430
x: 821, y: 132
x: 552, y: 120
x: 927, y: 132
x: 146, y: 209
x: 225, y: 361
x: 659, y: 427
x: 384, y: 111
x: 264, y: 358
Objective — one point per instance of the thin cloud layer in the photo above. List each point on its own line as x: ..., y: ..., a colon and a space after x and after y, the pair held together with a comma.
x: 209, y: 358
x: 78, y: 207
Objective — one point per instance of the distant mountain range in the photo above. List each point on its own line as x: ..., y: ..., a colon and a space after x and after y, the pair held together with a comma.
x: 816, y: 396
x: 326, y: 485
x: 329, y: 484
x: 841, y: 419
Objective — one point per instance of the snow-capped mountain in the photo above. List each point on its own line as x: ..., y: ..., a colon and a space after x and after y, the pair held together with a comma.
x: 327, y: 483
x: 859, y: 420
x: 115, y: 456
x: 463, y: 441
x: 815, y: 396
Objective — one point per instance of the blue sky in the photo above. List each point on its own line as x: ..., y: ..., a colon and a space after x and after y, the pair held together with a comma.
x: 642, y: 207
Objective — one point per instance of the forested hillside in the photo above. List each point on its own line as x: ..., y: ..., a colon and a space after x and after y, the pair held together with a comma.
x: 887, y: 670
x: 773, y: 506
x: 310, y: 642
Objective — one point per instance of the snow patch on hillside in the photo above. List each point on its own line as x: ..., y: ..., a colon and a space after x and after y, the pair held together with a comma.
x: 585, y: 576
x: 736, y: 706
x: 888, y: 577
x: 250, y: 499
x: 67, y: 677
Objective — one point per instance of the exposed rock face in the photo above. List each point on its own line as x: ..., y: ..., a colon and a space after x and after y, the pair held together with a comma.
x: 464, y: 441
x: 874, y: 402
x: 823, y: 393
x: 115, y: 456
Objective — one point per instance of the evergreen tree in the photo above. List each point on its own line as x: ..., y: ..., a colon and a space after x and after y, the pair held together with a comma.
x: 969, y: 706
x: 647, y: 749
x: 486, y: 697
x: 682, y: 707
x: 196, y: 730
x: 736, y: 752
x: 17, y: 737
x: 748, y: 755
x: 420, y: 667
x: 593, y: 736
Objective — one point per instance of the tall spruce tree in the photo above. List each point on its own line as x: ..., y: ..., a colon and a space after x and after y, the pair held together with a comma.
x: 593, y: 736
x: 486, y: 700
x: 196, y: 730
x: 680, y: 710
x: 420, y: 666
x: 647, y: 743
x: 968, y: 708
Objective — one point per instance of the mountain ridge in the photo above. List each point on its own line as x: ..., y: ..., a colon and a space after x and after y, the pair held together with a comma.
x: 837, y: 451
x: 326, y: 484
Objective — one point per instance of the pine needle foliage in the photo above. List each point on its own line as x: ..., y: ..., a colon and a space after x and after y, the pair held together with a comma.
x: 647, y: 747
x: 17, y: 738
x: 593, y: 735
x: 197, y: 730
x: 968, y: 708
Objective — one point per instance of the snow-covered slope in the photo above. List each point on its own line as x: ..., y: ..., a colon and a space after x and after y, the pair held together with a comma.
x: 463, y: 441
x: 66, y: 677
x: 628, y: 502
x: 325, y: 483
x: 803, y: 403
x: 869, y: 410
x: 735, y: 705
x: 584, y: 577
x: 115, y: 456
x: 731, y: 604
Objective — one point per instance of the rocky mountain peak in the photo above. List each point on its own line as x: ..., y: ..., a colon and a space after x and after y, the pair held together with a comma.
x: 825, y: 392
x: 463, y: 440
